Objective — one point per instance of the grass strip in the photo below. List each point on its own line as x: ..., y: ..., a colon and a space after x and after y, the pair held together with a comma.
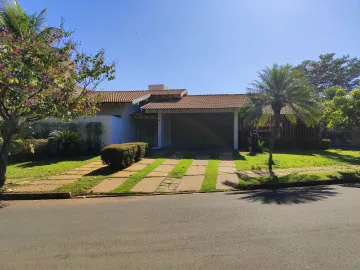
x: 211, y: 174
x: 181, y: 168
x: 300, y: 177
x: 85, y: 183
x: 136, y: 178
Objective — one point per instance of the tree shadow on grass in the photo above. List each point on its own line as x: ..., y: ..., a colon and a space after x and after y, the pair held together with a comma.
x: 104, y: 171
x: 289, y: 196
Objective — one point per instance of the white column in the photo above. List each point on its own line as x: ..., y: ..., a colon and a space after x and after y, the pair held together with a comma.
x: 236, y: 131
x: 160, y: 129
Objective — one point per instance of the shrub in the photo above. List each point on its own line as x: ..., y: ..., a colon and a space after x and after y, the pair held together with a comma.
x: 27, y: 148
x: 121, y: 156
x: 302, y: 143
x: 142, y: 150
x: 325, y: 144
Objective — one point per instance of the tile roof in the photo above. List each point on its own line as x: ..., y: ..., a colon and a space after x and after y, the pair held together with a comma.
x: 130, y: 96
x: 199, y: 102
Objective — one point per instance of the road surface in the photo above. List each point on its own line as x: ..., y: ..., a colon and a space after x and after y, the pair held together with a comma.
x: 308, y: 228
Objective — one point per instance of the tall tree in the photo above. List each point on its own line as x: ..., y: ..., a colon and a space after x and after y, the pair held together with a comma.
x: 277, y: 88
x: 329, y: 71
x: 20, y: 23
x: 342, y: 112
x: 45, y: 78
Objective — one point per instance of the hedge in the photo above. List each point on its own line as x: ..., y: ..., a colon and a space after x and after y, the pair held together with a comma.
x: 29, y: 147
x: 123, y: 155
x: 302, y: 143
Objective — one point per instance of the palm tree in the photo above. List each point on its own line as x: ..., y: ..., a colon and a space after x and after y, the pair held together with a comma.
x: 280, y: 88
x: 20, y: 23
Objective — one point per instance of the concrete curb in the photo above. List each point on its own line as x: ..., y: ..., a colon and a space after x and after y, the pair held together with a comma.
x: 34, y: 196
x: 301, y: 184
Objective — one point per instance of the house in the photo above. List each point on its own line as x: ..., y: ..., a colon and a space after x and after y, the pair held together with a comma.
x: 172, y: 117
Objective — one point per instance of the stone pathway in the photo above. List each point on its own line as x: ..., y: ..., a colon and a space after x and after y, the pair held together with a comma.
x: 304, y: 170
x: 58, y: 180
x: 227, y: 177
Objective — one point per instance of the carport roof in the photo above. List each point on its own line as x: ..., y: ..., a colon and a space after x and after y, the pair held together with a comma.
x: 199, y: 102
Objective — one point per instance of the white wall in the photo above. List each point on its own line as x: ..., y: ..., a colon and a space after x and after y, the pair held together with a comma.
x: 166, y: 130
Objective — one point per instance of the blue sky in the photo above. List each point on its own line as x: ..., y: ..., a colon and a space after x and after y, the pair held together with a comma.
x: 205, y: 46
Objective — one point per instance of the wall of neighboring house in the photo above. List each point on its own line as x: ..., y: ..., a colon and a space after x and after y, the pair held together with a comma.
x: 119, y: 126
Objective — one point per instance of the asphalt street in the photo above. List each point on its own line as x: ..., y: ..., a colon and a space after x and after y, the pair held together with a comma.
x: 298, y: 228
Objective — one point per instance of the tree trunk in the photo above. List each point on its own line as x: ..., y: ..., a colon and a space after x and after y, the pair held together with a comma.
x: 4, y: 154
x: 274, y: 135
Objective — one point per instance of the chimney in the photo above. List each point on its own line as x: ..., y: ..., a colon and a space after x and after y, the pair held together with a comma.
x: 157, y: 87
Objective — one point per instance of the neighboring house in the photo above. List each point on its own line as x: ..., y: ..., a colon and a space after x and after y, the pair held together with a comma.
x: 171, y: 117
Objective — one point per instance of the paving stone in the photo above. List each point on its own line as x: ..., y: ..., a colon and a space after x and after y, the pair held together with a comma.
x: 226, y: 170
x: 79, y: 173
x: 42, y: 182
x: 146, y: 161
x: 196, y: 170
x: 226, y: 163
x: 65, y: 182
x: 190, y: 183
x: 168, y: 185
x: 231, y: 179
x: 171, y: 162
x: 157, y: 174
x: 124, y: 174
x: 64, y: 177
x: 108, y: 185
x: 81, y: 169
x: 136, y: 167
x: 148, y: 184
x: 200, y: 162
x: 36, y: 188
x: 164, y: 168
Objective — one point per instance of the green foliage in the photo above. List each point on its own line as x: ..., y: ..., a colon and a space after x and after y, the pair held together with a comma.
x: 121, y: 156
x: 304, y: 143
x: 211, y: 174
x: 261, y: 146
x: 29, y: 147
x: 343, y: 111
x: 65, y: 136
x: 329, y: 71
x: 142, y: 149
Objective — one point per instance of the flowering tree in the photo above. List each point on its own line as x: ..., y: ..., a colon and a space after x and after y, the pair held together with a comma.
x: 45, y: 78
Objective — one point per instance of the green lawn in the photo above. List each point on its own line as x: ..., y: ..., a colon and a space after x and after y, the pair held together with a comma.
x: 181, y: 168
x: 211, y: 174
x: 321, y: 176
x: 45, y: 168
x: 297, y: 159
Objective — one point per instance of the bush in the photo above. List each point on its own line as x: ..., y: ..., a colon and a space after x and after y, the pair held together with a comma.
x: 142, y: 150
x: 302, y: 143
x: 26, y: 148
x: 325, y: 144
x: 121, y: 156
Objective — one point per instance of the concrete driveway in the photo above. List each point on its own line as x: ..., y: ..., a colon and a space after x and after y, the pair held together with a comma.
x: 303, y: 228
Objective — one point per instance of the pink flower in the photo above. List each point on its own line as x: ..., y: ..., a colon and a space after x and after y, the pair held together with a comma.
x: 16, y: 50
x: 30, y: 102
x: 46, y: 79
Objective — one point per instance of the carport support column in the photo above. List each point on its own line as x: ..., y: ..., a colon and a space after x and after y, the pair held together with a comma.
x: 236, y: 130
x: 160, y: 130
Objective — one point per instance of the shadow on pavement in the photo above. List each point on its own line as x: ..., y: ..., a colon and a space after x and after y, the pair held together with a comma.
x: 287, y: 195
x: 351, y: 185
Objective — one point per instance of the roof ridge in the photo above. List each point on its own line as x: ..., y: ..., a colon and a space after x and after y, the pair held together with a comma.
x: 145, y: 90
x: 204, y: 95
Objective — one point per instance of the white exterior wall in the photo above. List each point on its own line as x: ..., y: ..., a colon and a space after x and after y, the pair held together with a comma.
x: 116, y: 129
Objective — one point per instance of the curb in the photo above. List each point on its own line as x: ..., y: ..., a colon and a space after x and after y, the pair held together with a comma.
x: 301, y: 184
x: 34, y: 196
